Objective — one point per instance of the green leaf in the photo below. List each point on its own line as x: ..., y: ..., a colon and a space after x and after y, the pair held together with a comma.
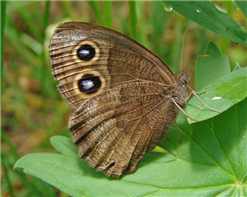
x: 219, y: 87
x: 220, y: 95
x: 220, y: 142
x: 63, y: 145
x: 208, y: 15
x: 210, y: 69
x: 243, y: 6
x: 210, y: 160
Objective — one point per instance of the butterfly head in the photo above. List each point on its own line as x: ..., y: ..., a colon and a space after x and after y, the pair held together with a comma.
x: 185, y: 76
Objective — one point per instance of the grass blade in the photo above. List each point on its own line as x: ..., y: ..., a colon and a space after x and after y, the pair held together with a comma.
x: 133, y: 20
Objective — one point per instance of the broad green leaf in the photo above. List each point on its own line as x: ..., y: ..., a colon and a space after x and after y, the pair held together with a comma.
x: 210, y: 160
x: 210, y: 69
x: 221, y: 89
x: 208, y: 15
x: 220, y: 95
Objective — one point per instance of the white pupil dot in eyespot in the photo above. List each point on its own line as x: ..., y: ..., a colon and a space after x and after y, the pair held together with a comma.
x: 84, y: 52
x: 87, y: 84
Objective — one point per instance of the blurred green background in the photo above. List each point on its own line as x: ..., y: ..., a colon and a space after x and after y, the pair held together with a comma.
x: 32, y: 110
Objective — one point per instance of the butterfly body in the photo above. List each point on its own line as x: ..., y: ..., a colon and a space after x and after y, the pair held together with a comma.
x: 122, y: 94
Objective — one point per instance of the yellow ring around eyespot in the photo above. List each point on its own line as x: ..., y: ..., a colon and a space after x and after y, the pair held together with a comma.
x: 95, y: 58
x: 90, y: 72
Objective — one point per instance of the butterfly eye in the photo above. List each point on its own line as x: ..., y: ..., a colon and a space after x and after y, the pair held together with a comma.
x: 89, y: 84
x: 86, y: 52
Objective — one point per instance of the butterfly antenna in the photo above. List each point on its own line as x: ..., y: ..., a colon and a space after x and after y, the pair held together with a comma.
x: 196, y: 59
x: 181, y: 59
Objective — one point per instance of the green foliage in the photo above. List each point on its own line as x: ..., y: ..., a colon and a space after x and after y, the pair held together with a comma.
x: 3, y: 10
x: 212, y: 17
x: 220, y: 88
x: 211, y: 159
x: 242, y: 6
x: 209, y: 70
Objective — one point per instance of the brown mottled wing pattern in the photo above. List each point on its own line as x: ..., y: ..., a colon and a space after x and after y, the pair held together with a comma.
x: 131, y: 111
x: 114, y: 131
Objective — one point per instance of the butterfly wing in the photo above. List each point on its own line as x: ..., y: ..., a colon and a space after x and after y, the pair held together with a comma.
x: 113, y: 131
x: 120, y: 93
x: 117, y: 59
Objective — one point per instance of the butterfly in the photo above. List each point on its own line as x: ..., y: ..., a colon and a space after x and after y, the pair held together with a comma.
x: 124, y: 98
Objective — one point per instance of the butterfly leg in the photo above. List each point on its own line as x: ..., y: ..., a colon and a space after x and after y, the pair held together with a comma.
x: 195, y: 93
x: 183, y: 110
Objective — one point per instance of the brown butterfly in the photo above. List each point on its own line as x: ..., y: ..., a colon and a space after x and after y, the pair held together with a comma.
x: 125, y: 99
